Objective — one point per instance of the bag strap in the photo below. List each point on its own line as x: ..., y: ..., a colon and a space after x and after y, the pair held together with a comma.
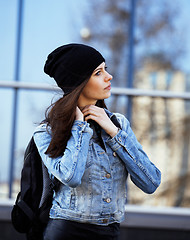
x: 25, y: 208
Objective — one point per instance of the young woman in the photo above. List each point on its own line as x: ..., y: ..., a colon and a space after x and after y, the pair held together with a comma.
x: 88, y: 149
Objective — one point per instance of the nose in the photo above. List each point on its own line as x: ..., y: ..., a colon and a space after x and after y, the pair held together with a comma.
x: 108, y: 77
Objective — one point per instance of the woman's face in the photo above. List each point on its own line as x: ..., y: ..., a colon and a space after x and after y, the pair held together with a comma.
x: 97, y: 88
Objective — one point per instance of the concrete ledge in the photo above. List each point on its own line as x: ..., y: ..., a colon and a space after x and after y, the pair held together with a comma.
x: 157, y: 217
x: 142, y: 223
x: 5, y: 209
x: 136, y: 216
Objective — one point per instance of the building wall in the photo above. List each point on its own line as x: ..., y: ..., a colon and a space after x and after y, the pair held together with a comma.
x: 163, y: 128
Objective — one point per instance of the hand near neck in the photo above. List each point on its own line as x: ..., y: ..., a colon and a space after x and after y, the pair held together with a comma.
x: 99, y: 115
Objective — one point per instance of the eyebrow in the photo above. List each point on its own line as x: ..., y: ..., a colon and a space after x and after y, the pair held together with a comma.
x: 99, y: 68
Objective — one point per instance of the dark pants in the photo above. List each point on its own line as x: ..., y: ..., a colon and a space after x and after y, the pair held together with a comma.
x: 59, y: 229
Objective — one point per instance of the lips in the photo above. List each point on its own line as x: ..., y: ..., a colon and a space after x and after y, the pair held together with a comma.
x: 108, y: 87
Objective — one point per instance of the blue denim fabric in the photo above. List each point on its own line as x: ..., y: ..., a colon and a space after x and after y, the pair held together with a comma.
x: 94, y: 179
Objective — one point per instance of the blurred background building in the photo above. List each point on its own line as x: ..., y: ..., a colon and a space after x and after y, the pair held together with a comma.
x: 147, y: 50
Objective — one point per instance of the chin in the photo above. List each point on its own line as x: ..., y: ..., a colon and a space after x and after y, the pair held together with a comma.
x: 107, y: 95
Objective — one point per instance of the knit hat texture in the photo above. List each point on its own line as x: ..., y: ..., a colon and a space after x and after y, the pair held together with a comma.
x: 72, y: 64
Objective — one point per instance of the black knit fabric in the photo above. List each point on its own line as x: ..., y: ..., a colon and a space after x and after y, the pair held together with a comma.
x: 72, y: 64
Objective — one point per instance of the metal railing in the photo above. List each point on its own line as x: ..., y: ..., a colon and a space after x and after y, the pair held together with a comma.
x: 130, y: 92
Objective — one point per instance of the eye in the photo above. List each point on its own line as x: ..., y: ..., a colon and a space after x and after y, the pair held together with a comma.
x: 98, y: 73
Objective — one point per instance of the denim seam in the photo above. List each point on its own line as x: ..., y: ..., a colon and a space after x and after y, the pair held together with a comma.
x: 138, y: 164
x: 78, y: 149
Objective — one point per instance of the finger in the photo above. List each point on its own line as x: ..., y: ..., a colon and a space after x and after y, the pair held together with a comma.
x: 90, y: 107
x: 91, y: 117
x: 94, y: 112
x: 90, y: 110
x: 79, y: 114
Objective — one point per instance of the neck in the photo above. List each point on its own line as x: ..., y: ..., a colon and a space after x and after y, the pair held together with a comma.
x: 82, y: 104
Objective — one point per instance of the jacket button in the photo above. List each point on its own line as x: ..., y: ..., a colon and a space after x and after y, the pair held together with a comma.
x: 105, y: 220
x: 108, y: 200
x: 114, y: 154
x: 108, y: 175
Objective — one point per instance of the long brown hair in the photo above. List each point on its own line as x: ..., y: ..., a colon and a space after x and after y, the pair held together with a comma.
x: 60, y: 116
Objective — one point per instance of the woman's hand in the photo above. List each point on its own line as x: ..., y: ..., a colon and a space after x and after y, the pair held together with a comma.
x: 79, y: 115
x: 99, y: 115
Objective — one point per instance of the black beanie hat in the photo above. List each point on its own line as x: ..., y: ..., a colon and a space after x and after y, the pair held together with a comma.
x: 72, y: 64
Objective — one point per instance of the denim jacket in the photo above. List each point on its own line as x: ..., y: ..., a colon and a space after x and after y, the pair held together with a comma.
x: 93, y: 178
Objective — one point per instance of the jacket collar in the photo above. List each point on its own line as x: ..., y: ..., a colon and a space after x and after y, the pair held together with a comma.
x: 113, y: 117
x: 110, y: 114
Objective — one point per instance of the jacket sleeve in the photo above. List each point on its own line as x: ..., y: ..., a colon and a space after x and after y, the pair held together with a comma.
x: 70, y: 167
x: 142, y: 171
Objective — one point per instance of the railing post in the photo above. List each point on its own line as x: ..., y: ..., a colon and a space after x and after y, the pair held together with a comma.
x: 131, y: 56
x: 15, y: 95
